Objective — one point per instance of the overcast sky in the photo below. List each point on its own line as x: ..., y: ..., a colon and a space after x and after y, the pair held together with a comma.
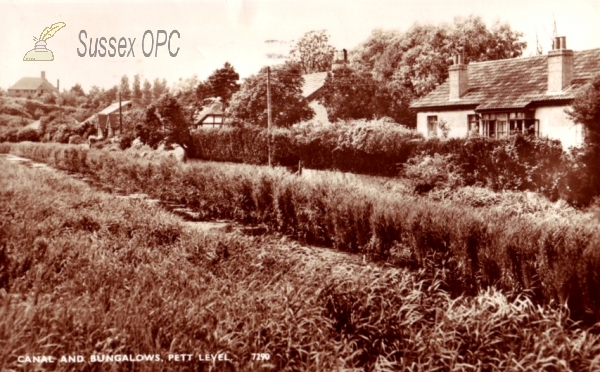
x: 213, y: 32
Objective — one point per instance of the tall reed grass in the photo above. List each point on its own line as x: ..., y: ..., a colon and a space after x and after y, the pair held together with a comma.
x: 554, y: 259
x: 87, y: 273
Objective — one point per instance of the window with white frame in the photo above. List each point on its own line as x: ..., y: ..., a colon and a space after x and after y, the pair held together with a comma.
x: 473, y: 124
x: 503, y: 124
x: 432, y: 125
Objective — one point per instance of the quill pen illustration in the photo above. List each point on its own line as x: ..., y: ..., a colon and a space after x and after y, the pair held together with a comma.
x: 50, y: 31
x: 40, y: 52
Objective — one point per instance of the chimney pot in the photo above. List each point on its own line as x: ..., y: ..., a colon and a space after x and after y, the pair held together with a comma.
x: 563, y: 42
x: 44, y: 75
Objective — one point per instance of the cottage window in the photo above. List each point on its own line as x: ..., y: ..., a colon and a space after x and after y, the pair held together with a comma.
x: 214, y: 121
x: 473, y: 123
x: 500, y: 125
x: 432, y: 125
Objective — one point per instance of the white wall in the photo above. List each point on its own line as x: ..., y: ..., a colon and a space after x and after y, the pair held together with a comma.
x: 457, y: 119
x: 320, y: 112
x: 555, y: 124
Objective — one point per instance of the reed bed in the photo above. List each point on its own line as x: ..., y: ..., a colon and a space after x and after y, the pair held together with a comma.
x: 551, y: 257
x: 84, y: 272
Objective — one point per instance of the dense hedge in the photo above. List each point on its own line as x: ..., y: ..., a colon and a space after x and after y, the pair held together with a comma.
x: 380, y: 148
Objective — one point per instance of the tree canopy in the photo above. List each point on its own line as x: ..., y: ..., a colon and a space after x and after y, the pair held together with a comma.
x: 137, y: 90
x: 222, y: 83
x: 313, y: 52
x: 159, y: 87
x: 585, y: 110
x: 349, y: 94
x: 583, y: 181
x: 288, y: 106
x: 124, y: 88
x: 417, y: 60
x: 146, y: 93
x: 392, y: 68
x: 165, y: 121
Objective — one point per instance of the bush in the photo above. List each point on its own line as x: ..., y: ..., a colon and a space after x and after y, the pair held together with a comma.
x: 125, y: 141
x: 429, y: 172
x: 76, y: 140
x: 28, y: 134
x: 9, y: 134
x: 514, y: 163
x: 62, y: 134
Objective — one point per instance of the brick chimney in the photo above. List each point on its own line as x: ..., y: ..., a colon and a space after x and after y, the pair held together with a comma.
x: 58, y: 85
x: 44, y: 75
x: 459, y: 78
x: 340, y: 59
x: 560, y: 66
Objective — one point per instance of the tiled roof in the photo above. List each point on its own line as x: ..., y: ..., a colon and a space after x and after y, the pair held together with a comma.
x: 114, y: 107
x: 215, y: 108
x: 31, y: 83
x: 312, y: 83
x: 513, y: 83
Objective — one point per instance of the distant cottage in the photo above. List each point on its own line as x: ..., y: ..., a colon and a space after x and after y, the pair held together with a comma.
x: 211, y: 116
x: 108, y: 123
x: 30, y: 87
x: 497, y: 98
x: 312, y: 89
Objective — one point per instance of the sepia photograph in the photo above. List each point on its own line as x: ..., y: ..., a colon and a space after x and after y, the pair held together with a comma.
x: 235, y: 185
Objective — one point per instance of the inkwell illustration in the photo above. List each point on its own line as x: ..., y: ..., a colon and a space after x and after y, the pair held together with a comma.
x: 40, y: 53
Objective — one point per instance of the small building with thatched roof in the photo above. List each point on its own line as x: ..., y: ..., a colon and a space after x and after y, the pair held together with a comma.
x: 211, y: 116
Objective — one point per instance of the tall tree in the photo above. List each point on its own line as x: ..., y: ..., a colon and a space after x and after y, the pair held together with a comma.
x: 150, y: 130
x: 313, y: 52
x: 418, y: 59
x: 78, y: 90
x: 222, y: 83
x: 410, y: 64
x: 175, y: 123
x: 185, y: 91
x: 159, y: 88
x: 147, y: 93
x: 583, y: 182
x: 288, y: 106
x: 585, y: 110
x: 349, y: 94
x: 124, y: 88
x: 137, y: 90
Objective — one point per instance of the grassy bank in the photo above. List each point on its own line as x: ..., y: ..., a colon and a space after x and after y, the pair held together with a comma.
x: 552, y: 257
x: 86, y: 273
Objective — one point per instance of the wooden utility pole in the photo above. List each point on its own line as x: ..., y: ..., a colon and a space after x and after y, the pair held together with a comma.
x: 120, y: 117
x: 269, y: 113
